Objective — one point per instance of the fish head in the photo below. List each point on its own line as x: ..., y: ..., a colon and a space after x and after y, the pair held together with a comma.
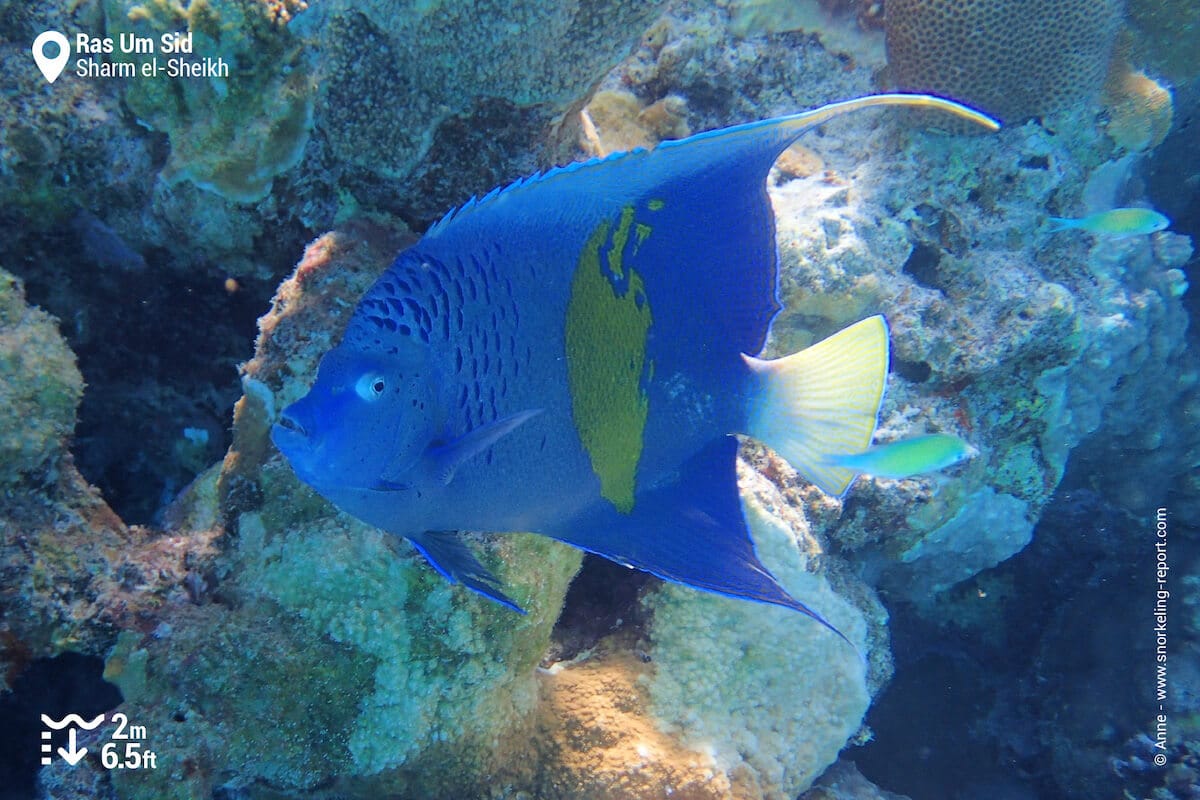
x: 366, y: 421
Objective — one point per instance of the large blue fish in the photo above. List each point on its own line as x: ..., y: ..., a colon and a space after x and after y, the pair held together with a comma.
x: 565, y: 356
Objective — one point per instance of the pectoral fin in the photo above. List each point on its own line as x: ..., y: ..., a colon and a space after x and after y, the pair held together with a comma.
x: 442, y: 459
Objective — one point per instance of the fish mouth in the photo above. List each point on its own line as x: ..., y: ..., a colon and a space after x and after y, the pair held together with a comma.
x: 292, y: 439
x: 289, y: 423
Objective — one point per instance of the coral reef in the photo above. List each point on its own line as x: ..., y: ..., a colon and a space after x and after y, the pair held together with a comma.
x: 442, y: 683
x: 599, y: 739
x: 40, y: 386
x: 844, y: 26
x: 422, y: 687
x: 712, y: 78
x: 1011, y: 58
x: 107, y: 174
x: 843, y: 781
x: 1162, y: 36
x: 854, y: 240
x: 256, y: 611
x: 393, y: 71
x: 772, y: 715
x: 975, y: 312
x: 72, y: 573
x: 231, y: 136
x: 986, y: 529
x: 1140, y: 109
x: 615, y: 120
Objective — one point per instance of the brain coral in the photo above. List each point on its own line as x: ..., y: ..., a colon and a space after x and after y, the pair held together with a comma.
x: 394, y: 70
x: 1012, y: 58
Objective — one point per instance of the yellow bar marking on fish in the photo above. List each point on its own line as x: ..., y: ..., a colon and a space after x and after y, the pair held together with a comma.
x: 606, y: 331
x: 655, y: 205
x: 620, y: 238
x: 641, y: 233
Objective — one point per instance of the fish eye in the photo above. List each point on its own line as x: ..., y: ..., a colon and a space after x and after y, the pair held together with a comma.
x: 370, y: 386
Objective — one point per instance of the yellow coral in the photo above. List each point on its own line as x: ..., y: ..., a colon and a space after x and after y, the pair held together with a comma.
x: 1140, y: 110
x: 615, y: 120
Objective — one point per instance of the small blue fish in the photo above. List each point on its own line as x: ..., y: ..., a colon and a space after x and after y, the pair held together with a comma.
x: 907, y: 457
x: 565, y: 356
x: 104, y: 246
x: 1117, y: 223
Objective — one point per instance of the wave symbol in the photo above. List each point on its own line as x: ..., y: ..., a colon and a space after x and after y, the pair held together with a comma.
x: 71, y: 719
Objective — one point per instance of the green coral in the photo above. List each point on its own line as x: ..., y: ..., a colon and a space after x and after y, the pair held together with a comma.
x: 343, y: 660
x: 1021, y: 471
x: 243, y: 691
x: 40, y: 386
x: 438, y: 649
x: 230, y: 135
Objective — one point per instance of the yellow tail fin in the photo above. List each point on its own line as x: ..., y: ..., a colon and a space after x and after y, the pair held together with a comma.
x: 823, y: 400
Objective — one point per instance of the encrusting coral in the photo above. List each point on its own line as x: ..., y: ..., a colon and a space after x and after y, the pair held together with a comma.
x: 40, y: 386
x: 71, y: 572
x: 230, y: 135
x: 394, y: 69
x: 1140, y: 109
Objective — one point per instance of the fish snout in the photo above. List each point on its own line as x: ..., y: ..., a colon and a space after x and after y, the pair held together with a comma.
x: 288, y: 422
x: 291, y: 435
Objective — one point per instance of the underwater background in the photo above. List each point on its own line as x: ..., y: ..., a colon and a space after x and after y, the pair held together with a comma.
x: 178, y: 251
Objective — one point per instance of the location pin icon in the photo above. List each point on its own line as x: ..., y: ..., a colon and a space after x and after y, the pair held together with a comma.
x: 51, y: 67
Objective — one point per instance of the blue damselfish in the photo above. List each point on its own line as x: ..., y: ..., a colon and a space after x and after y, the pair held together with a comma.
x: 566, y: 356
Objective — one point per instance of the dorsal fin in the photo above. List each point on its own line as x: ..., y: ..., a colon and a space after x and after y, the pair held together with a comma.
x: 521, y: 183
x: 775, y: 135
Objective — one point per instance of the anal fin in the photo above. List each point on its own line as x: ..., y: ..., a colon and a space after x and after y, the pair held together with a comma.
x: 690, y: 531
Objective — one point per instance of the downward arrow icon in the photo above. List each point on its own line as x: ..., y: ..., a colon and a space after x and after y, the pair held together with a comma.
x: 71, y: 755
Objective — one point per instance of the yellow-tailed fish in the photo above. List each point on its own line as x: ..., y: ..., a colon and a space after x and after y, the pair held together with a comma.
x: 565, y: 356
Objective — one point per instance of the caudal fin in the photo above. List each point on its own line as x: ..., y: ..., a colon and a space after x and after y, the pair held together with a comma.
x: 1056, y: 224
x: 822, y: 400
